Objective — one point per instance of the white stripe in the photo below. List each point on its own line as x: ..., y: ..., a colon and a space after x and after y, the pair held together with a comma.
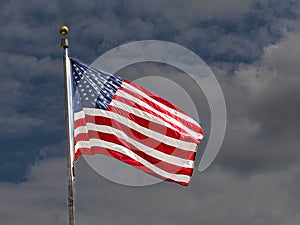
x: 82, y: 130
x: 79, y: 115
x: 173, y: 111
x: 125, y: 151
x: 184, y: 145
x: 144, y: 115
x: 167, y: 117
x: 141, y: 147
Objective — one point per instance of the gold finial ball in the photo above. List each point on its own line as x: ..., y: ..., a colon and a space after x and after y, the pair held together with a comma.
x: 63, y: 30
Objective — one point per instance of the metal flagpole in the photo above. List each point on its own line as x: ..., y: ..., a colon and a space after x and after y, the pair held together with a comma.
x: 69, y: 124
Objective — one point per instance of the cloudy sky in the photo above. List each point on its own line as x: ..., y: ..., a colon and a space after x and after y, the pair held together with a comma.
x: 251, y: 46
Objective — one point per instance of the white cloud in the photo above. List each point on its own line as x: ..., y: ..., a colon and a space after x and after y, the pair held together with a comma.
x: 39, y: 200
x: 216, y: 196
x: 262, y: 99
x: 263, y: 108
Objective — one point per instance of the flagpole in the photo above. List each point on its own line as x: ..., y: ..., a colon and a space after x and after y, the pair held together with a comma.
x: 69, y: 124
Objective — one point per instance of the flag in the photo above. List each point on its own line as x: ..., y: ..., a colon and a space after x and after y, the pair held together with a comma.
x: 118, y: 118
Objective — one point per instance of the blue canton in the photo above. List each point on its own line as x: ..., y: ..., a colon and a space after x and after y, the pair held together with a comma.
x: 93, y: 88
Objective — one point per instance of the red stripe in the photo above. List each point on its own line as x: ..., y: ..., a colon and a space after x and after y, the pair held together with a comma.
x: 123, y: 158
x: 116, y: 140
x: 150, y: 142
x: 138, y: 106
x: 156, y: 97
x: 161, y: 100
x: 153, y: 125
x: 142, y: 108
x: 158, y: 108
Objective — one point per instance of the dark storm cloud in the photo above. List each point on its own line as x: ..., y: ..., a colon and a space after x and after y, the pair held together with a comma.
x: 264, y: 110
x: 28, y: 116
x: 217, y: 30
x: 216, y: 197
x: 252, y: 47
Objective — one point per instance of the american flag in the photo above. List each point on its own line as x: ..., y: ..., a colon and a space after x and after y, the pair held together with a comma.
x: 117, y: 118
